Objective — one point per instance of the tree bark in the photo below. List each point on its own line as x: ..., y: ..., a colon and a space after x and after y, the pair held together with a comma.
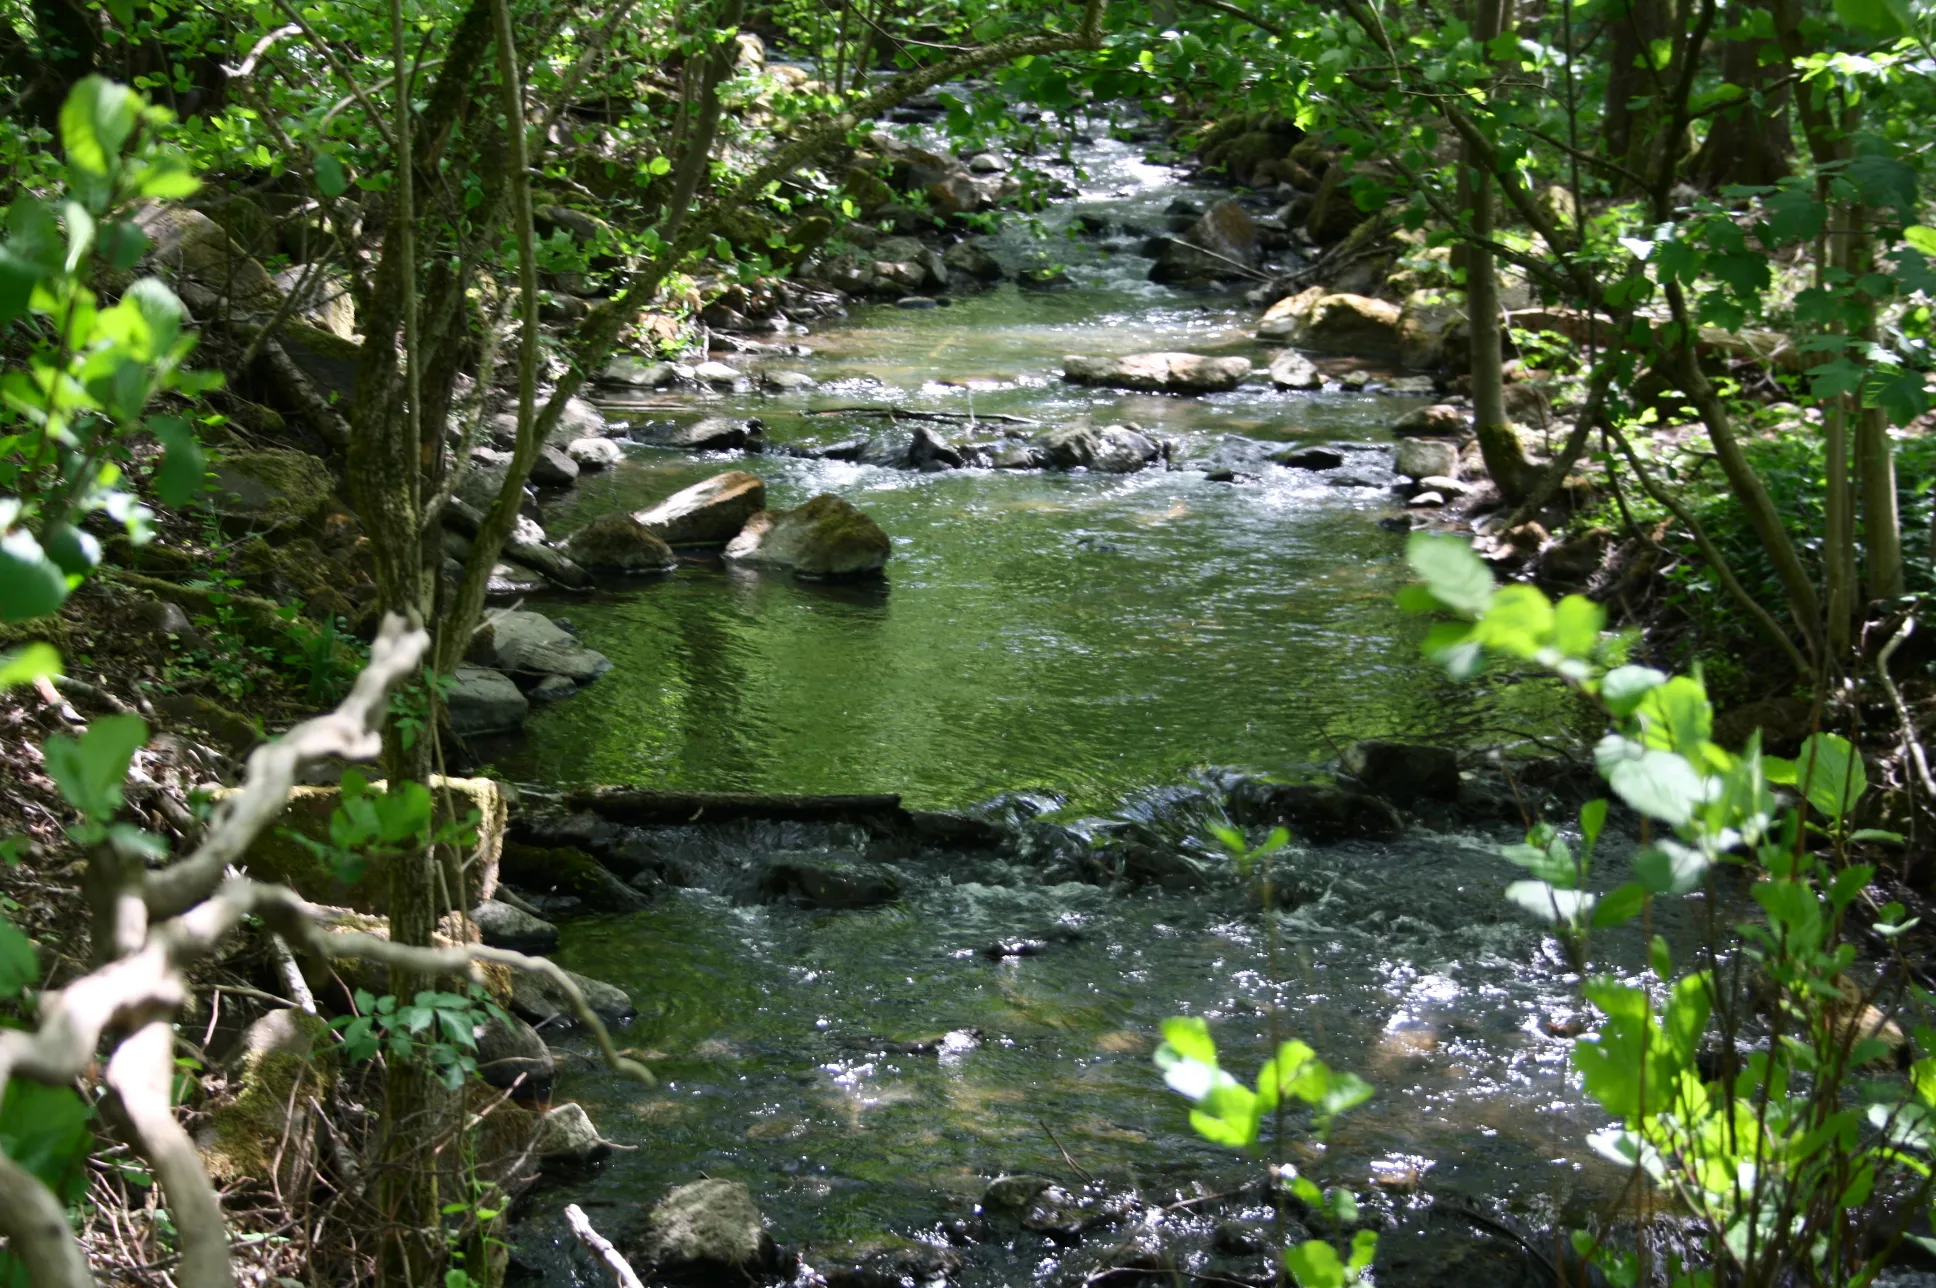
x: 1749, y: 145
x: 1636, y: 90
x: 1498, y: 443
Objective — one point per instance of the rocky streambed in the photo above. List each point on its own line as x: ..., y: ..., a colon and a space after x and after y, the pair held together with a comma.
x: 906, y: 1038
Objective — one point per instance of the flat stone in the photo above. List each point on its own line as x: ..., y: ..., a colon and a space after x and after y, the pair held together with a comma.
x: 915, y: 302
x: 503, y: 926
x: 717, y: 373
x: 1292, y: 370
x: 1110, y: 449
x: 1418, y: 458
x: 594, y: 453
x: 532, y: 644
x: 1180, y: 373
x: 553, y: 688
x: 540, y: 1001
x: 1445, y: 485
x: 271, y: 488
x: 566, y: 1137
x: 553, y: 468
x: 787, y: 382
x: 637, y: 372
x: 709, y: 513
x: 1426, y: 500
x: 1311, y: 458
x: 1440, y: 420
x: 708, y: 1225
x: 711, y: 434
x: 512, y: 1057
x: 481, y: 701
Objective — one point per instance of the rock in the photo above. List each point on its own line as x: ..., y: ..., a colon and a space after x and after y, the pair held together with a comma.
x: 1334, y: 211
x: 1019, y: 456
x: 579, y: 419
x: 1426, y: 500
x: 1223, y: 457
x: 709, y: 1227
x: 717, y: 374
x: 594, y: 453
x: 931, y: 451
x: 1319, y: 813
x: 1440, y: 420
x: 1222, y: 244
x: 504, y: 926
x: 566, y: 872
x: 261, y: 1129
x: 1311, y: 458
x: 1292, y: 370
x: 1112, y: 449
x: 540, y: 1001
x: 986, y: 163
x: 1355, y: 380
x: 1432, y: 333
x: 1573, y: 561
x: 1043, y: 277
x: 1449, y: 488
x: 829, y: 881
x: 198, y: 254
x: 973, y: 259
x: 526, y: 643
x: 1419, y: 458
x: 1011, y: 1195
x: 1402, y: 771
x: 899, y: 276
x: 553, y: 468
x: 1289, y: 314
x: 787, y: 382
x: 270, y: 489
x: 1174, y: 373
x: 483, y: 701
x: 916, y: 302
x: 325, y: 300
x: 1347, y: 324
x: 826, y: 537
x: 637, y: 372
x: 565, y: 1137
x: 709, y: 513
x: 553, y: 688
x: 511, y: 1056
x: 713, y: 434
x: 619, y: 543
x: 1411, y: 387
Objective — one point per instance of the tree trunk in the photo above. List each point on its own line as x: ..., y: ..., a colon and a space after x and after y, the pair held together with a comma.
x: 1498, y: 442
x: 1751, y: 144
x: 1636, y: 93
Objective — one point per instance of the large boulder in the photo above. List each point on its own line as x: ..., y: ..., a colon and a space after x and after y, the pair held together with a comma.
x: 205, y: 264
x: 531, y: 644
x: 483, y: 701
x: 261, y: 1128
x: 270, y: 489
x: 1222, y: 244
x: 512, y: 1057
x: 1159, y: 373
x: 1432, y: 333
x: 828, y: 881
x: 637, y: 373
x: 973, y: 259
x: 619, y: 543
x: 1439, y: 420
x: 709, y: 1227
x: 1348, y: 324
x: 566, y: 1137
x: 1288, y: 315
x: 1419, y: 458
x: 1111, y: 449
x: 539, y: 1000
x: 709, y: 513
x: 594, y: 453
x: 826, y: 537
x: 1403, y: 771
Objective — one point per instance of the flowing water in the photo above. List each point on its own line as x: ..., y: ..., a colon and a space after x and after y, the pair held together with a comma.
x: 1089, y: 639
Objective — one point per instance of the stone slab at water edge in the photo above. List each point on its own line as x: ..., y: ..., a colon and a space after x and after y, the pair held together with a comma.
x: 1158, y: 373
x: 709, y: 513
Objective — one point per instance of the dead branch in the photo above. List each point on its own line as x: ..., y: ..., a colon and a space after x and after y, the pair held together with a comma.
x: 601, y: 1247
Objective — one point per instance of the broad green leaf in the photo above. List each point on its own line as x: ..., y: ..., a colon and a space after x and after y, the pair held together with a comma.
x: 330, y: 179
x: 1676, y: 716
x: 1315, y: 1264
x: 1577, y: 623
x: 1830, y: 773
x: 1457, y: 576
x: 1659, y: 784
x: 1519, y: 621
x: 19, y: 968
x: 25, y: 665
x: 89, y: 770
x: 1593, y: 818
x: 1620, y: 905
x: 1189, y: 1037
x: 1922, y: 237
x: 1228, y: 1116
x: 1551, y: 904
x: 95, y: 121
x: 1625, y: 686
x: 45, y: 1130
x: 1280, y: 1073
x: 31, y: 585
x: 1670, y: 868
x: 183, y: 468
x: 1686, y: 1018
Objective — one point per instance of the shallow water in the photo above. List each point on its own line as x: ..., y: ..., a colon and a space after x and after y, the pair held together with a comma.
x: 1088, y: 638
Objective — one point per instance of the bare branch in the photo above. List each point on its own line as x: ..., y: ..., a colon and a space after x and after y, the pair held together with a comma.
x: 141, y: 1073
x: 601, y: 1247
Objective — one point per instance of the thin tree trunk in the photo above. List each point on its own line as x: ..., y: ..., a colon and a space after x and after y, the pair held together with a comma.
x: 1875, y: 453
x: 1498, y: 443
x: 1751, y: 144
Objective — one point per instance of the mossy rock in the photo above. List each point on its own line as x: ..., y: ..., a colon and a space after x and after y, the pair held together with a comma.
x: 271, y: 489
x: 263, y: 1128
x: 470, y: 878
x: 826, y: 537
x: 567, y: 870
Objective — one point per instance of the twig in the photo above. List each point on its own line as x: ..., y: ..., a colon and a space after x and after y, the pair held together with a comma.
x: 1080, y: 1170
x: 601, y: 1248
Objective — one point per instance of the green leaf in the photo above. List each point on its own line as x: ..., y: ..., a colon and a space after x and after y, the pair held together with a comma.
x: 19, y: 967
x: 1455, y: 575
x: 1670, y: 868
x: 45, y: 1130
x: 1922, y: 237
x: 1593, y: 819
x: 95, y: 121
x: 28, y: 664
x: 330, y: 179
x: 1315, y: 1264
x: 1189, y: 1037
x: 179, y: 478
x: 89, y: 770
x: 1660, y: 957
x: 1625, y: 686
x: 1676, y: 716
x: 1551, y: 904
x: 1869, y: 15
x: 1659, y: 784
x: 1620, y: 905
x: 31, y: 584
x: 1830, y: 774
x: 1577, y: 622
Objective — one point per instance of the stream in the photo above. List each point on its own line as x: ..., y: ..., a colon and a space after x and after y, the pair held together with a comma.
x: 1078, y: 645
